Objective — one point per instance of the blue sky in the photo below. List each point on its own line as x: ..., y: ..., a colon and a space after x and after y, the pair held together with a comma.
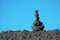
x: 19, y: 14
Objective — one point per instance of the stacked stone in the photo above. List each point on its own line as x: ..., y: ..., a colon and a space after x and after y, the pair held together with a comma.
x: 37, y: 25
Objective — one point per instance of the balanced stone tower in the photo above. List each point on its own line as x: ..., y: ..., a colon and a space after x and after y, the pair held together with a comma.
x: 37, y: 25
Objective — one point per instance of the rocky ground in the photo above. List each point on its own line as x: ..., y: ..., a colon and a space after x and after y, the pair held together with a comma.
x: 27, y: 35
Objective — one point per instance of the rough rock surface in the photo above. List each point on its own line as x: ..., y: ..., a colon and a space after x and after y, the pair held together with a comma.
x: 28, y: 35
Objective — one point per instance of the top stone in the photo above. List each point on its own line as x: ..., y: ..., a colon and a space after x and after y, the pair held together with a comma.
x: 36, y: 15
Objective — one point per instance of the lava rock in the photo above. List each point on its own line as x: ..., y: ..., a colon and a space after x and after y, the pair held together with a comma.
x: 27, y: 35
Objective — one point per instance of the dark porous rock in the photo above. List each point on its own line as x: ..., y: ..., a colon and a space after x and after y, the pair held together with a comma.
x: 27, y: 35
x: 38, y: 28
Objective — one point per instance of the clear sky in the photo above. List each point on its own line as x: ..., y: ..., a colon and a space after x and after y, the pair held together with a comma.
x: 19, y: 14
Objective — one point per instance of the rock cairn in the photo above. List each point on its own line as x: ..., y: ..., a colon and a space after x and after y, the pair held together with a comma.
x: 37, y: 25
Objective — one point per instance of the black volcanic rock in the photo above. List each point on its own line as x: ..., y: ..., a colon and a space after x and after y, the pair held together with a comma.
x: 27, y: 35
